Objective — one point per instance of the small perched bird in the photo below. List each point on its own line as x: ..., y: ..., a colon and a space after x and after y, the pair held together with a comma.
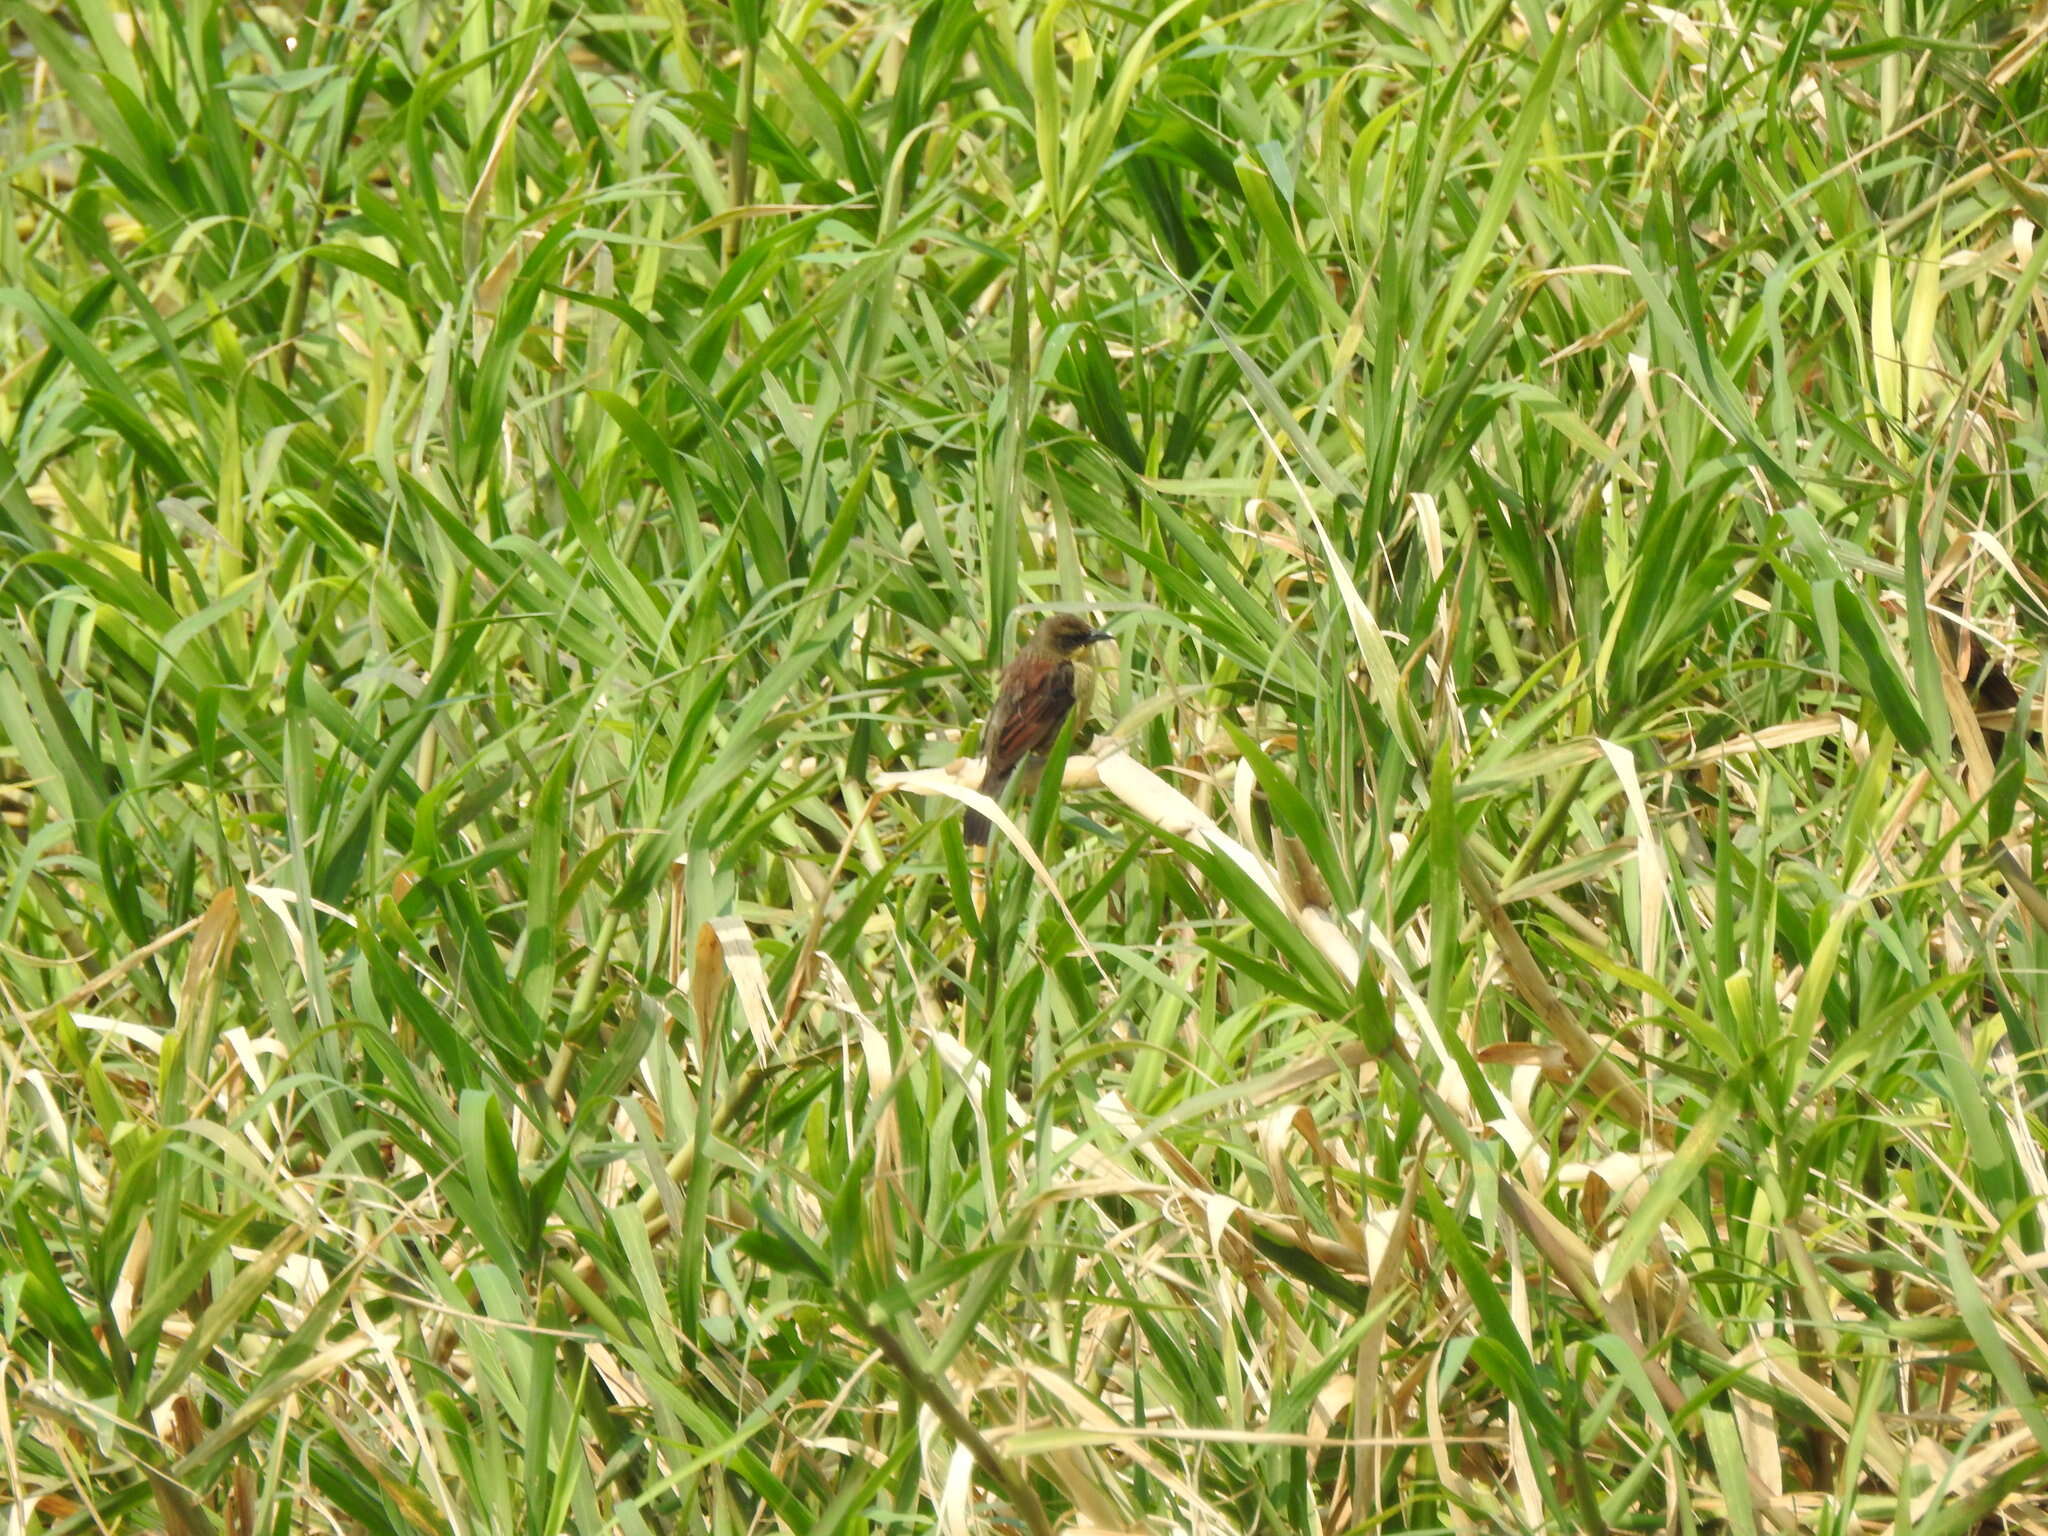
x: 1042, y: 685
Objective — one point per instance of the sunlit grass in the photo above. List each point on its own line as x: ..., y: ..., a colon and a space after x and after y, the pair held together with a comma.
x: 1526, y: 1015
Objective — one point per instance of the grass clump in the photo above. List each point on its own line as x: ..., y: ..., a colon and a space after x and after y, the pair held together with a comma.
x: 1526, y: 1017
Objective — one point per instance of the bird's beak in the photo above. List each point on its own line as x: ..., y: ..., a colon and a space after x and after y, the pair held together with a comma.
x: 1097, y: 636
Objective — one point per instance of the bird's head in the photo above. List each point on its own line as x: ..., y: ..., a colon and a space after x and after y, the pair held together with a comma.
x: 1067, y: 634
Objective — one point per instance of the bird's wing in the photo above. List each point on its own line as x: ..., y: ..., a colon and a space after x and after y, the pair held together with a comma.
x: 1027, y: 716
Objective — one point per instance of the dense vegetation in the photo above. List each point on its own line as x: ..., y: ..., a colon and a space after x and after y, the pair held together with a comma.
x: 1527, y: 1016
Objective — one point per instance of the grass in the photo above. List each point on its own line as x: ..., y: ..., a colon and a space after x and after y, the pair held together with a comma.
x: 1528, y: 1015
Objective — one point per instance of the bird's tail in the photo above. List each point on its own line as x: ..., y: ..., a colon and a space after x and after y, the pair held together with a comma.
x: 974, y: 825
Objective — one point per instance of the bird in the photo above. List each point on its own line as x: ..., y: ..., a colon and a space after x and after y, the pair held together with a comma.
x: 1042, y: 685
